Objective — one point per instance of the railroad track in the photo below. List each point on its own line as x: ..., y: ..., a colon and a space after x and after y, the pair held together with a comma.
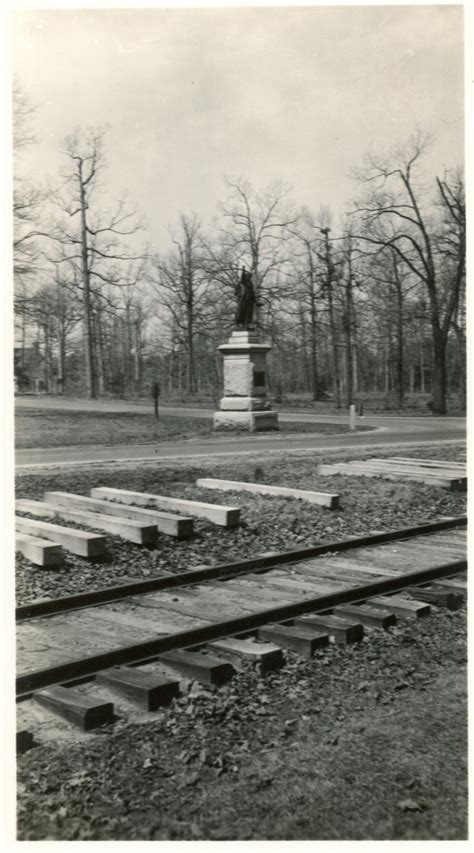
x: 139, y: 640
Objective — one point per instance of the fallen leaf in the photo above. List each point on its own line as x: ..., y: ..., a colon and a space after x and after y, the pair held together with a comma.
x: 411, y: 806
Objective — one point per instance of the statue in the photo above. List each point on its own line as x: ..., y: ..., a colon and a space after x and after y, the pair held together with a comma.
x: 246, y: 301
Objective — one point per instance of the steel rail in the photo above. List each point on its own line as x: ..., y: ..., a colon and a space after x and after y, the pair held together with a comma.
x: 105, y: 595
x: 151, y: 649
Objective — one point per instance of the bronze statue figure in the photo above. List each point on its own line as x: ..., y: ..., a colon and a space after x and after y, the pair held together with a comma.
x: 246, y: 301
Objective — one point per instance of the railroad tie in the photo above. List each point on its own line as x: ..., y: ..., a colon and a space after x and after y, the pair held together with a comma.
x: 266, y: 656
x: 341, y: 630
x: 457, y: 584
x: 403, y: 607
x: 369, y: 617
x: 76, y: 707
x: 301, y: 640
x: 439, y: 597
x: 201, y: 667
x: 24, y: 740
x: 146, y: 689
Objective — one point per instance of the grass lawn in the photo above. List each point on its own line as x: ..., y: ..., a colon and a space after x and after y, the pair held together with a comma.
x: 61, y: 428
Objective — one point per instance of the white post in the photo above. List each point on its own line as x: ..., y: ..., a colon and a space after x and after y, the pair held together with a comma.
x: 352, y: 417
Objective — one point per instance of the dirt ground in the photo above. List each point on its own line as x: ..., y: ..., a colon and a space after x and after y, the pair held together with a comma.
x: 361, y: 742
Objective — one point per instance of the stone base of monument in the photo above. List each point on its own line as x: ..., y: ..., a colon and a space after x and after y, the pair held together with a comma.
x: 244, y: 404
x: 251, y: 421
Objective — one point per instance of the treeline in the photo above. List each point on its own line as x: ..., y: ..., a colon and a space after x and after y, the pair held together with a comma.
x: 373, y: 304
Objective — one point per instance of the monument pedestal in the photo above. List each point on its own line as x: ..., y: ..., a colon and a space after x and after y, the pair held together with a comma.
x: 244, y: 404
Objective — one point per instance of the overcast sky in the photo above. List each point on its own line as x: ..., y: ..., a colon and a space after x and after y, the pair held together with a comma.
x: 295, y: 94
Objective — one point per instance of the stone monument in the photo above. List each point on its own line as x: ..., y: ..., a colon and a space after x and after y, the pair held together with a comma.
x: 244, y: 404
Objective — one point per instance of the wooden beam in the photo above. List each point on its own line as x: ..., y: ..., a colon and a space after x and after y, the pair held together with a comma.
x: 266, y: 655
x: 148, y: 690
x: 203, y: 668
x: 430, y: 463
x: 456, y: 584
x: 299, y: 639
x: 367, y: 616
x: 439, y: 597
x: 172, y: 525
x: 367, y: 471
x: 78, y: 708
x: 41, y: 552
x: 77, y: 541
x: 319, y: 498
x: 342, y: 630
x: 401, y: 606
x: 410, y: 469
x: 24, y: 740
x: 132, y: 531
x: 225, y: 516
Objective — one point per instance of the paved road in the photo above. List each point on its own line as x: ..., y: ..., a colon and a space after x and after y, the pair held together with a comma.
x: 389, y: 431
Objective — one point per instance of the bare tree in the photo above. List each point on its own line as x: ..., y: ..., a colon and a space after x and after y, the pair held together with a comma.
x: 181, y: 284
x: 430, y: 241
x: 305, y: 250
x: 330, y: 278
x: 28, y: 198
x: 95, y: 244
x: 254, y: 232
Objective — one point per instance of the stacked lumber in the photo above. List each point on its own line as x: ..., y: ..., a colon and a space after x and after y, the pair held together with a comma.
x: 448, y: 475
x: 135, y: 516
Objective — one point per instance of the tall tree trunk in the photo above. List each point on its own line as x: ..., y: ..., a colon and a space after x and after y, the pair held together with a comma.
x: 170, y: 372
x: 61, y: 358
x: 47, y: 357
x: 399, y: 367
x: 190, y: 370
x: 332, y: 322
x: 313, y: 351
x: 305, y: 372
x: 100, y: 354
x: 23, y: 339
x: 439, y: 384
x: 86, y: 297
x: 386, y: 369
x: 348, y: 335
x: 355, y: 371
x: 335, y: 358
x: 422, y: 366
x: 400, y: 340
x: 138, y: 357
x: 411, y: 373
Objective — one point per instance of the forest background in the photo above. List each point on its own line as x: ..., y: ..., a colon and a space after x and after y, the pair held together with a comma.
x: 362, y: 301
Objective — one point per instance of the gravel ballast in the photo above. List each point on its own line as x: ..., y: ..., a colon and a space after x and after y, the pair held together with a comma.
x: 267, y: 523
